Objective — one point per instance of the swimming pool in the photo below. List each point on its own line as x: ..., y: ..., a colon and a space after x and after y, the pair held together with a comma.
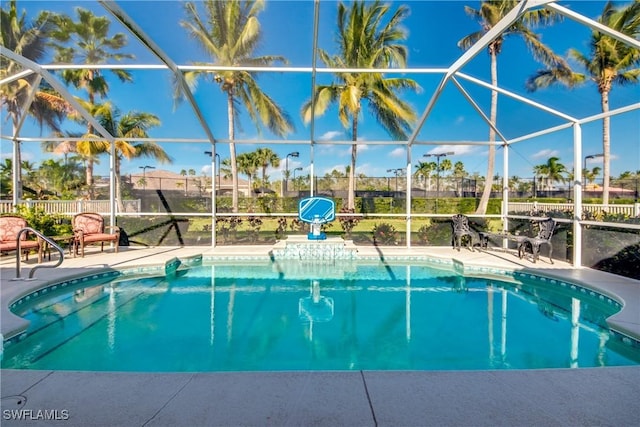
x: 270, y: 316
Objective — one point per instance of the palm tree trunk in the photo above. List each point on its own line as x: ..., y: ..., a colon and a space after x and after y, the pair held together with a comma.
x: 17, y: 165
x: 488, y: 183
x: 351, y: 192
x: 606, y: 147
x: 90, y: 162
x: 89, y: 176
x: 232, y: 154
x: 118, y: 185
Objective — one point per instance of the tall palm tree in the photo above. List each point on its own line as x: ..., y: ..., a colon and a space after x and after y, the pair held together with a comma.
x: 87, y: 41
x: 230, y: 32
x: 265, y: 157
x: 90, y: 148
x: 425, y: 169
x: 489, y: 14
x: 132, y: 124
x: 246, y: 164
x: 552, y: 171
x: 609, y: 62
x: 27, y: 39
x: 459, y: 173
x: 366, y: 41
x: 60, y: 177
x: 590, y: 175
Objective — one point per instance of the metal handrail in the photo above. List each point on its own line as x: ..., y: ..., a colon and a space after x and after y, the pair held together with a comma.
x: 43, y: 237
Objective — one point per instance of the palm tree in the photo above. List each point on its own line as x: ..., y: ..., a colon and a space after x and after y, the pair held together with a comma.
x: 91, y: 147
x: 48, y: 108
x: 489, y: 14
x: 132, y: 124
x: 591, y: 174
x: 6, y: 170
x: 62, y: 178
x: 246, y: 164
x: 459, y: 173
x: 552, y: 171
x: 425, y: 169
x: 87, y: 41
x: 365, y: 42
x: 610, y: 62
x: 231, y: 33
x: 265, y: 157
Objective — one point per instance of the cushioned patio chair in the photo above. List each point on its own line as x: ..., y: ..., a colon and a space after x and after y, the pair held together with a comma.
x: 10, y: 226
x: 546, y: 228
x: 89, y: 228
x: 461, y: 229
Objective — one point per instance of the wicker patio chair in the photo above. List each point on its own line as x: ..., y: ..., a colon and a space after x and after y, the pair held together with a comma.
x: 10, y: 226
x: 89, y: 228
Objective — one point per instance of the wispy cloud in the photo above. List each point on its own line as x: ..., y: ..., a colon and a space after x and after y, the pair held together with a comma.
x: 457, y: 150
x: 546, y: 153
x: 398, y: 152
x: 328, y: 136
x: 367, y: 169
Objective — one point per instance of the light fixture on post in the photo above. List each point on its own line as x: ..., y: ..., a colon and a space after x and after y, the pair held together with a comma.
x: 144, y: 176
x: 209, y: 153
x: 395, y: 172
x: 294, y: 177
x: 437, y: 156
x: 286, y: 171
x: 584, y: 167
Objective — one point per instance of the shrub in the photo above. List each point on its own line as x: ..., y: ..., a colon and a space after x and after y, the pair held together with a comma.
x: 47, y: 224
x: 385, y: 234
x: 282, y: 227
x: 255, y: 223
x: 348, y: 222
x: 297, y: 225
x: 423, y: 235
x: 227, y: 226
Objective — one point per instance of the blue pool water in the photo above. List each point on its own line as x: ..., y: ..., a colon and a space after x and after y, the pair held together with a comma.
x: 293, y: 316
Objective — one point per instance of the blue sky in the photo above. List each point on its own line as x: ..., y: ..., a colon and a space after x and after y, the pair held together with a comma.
x: 434, y: 27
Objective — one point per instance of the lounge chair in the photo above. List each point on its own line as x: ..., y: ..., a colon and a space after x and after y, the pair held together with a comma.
x: 10, y: 226
x: 546, y: 229
x: 461, y: 229
x: 89, y: 228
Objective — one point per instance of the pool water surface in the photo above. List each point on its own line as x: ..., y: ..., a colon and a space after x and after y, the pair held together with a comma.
x: 344, y: 316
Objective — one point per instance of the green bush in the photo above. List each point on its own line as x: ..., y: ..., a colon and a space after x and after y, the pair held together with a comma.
x: 348, y: 222
x: 385, y: 234
x: 46, y: 223
x: 423, y: 235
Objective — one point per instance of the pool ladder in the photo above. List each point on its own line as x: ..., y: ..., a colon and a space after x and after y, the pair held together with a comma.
x: 46, y: 239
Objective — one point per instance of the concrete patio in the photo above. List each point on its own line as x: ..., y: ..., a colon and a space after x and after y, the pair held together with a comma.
x: 558, y: 397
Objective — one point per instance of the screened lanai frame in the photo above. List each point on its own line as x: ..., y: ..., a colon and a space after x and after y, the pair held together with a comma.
x: 451, y: 75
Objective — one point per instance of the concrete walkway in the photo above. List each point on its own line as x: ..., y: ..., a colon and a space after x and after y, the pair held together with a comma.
x: 559, y: 397
x: 580, y: 397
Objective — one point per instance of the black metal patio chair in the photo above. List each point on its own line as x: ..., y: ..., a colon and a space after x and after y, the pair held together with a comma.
x: 461, y: 229
x: 546, y: 229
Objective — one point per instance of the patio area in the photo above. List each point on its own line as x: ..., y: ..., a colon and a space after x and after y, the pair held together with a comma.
x: 594, y: 396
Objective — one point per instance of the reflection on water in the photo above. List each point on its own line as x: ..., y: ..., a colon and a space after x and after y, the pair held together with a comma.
x: 221, y: 318
x: 315, y: 308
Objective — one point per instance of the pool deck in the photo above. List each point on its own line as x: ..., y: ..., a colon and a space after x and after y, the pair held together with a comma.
x: 556, y: 397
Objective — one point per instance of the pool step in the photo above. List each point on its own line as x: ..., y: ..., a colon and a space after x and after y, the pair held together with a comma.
x: 300, y: 248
